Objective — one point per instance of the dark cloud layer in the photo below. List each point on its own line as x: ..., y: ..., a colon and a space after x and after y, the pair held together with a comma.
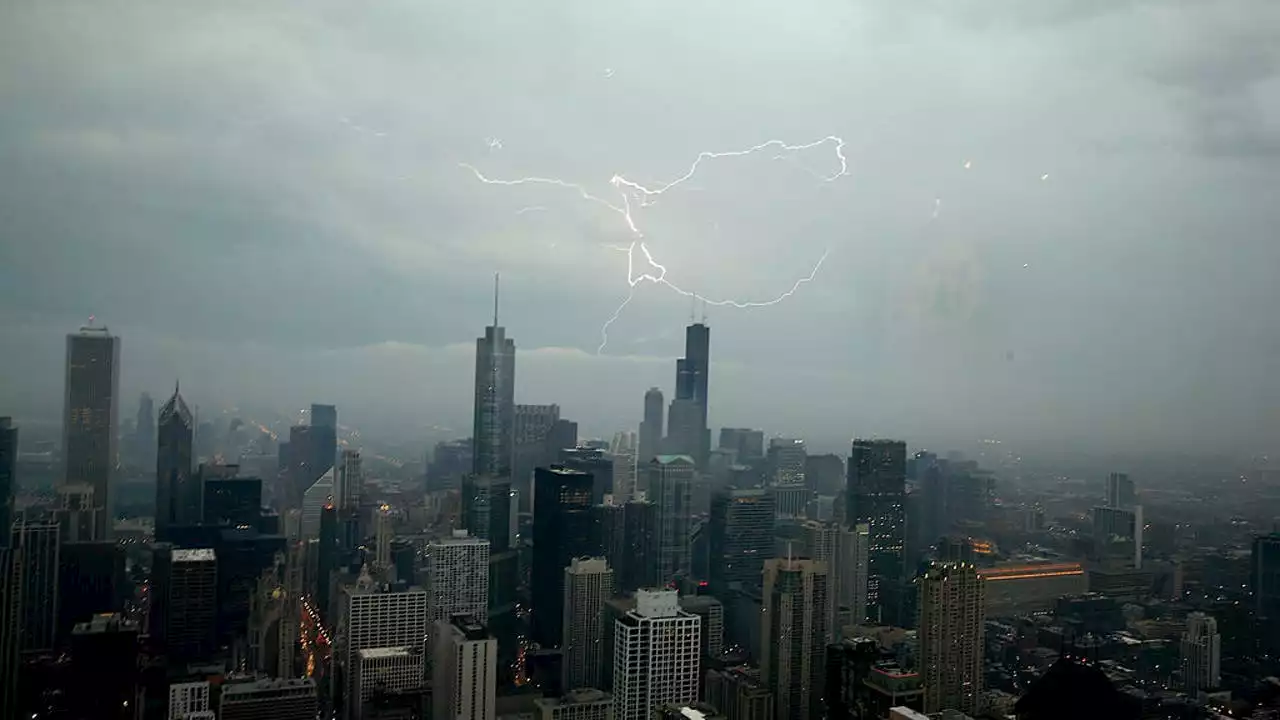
x: 266, y: 199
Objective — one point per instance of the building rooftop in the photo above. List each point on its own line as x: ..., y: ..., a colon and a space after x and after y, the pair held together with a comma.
x: 577, y: 696
x: 667, y: 459
x: 194, y: 555
x: 265, y: 685
x: 387, y: 652
x: 104, y: 623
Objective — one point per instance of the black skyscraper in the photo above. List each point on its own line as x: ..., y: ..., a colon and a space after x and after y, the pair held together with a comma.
x: 494, y: 417
x: 324, y: 438
x: 652, y: 427
x: 688, y: 421
x: 599, y: 463
x: 232, y: 501
x: 562, y: 529
x: 177, y: 491
x: 741, y: 537
x: 876, y: 494
x: 8, y: 475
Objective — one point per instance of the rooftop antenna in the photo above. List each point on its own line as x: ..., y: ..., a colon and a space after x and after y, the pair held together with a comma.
x: 495, y: 300
x: 693, y: 308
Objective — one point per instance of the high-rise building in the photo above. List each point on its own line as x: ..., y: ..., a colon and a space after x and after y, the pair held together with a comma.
x: 651, y: 427
x: 91, y: 581
x: 184, y: 602
x: 36, y: 547
x: 144, y: 430
x: 90, y: 417
x: 189, y: 701
x: 952, y: 617
x: 104, y: 668
x: 1201, y: 654
x: 739, y: 693
x: 824, y: 474
x: 562, y: 529
x: 324, y: 437
x: 531, y: 448
x: 10, y: 629
x: 1119, y: 527
x: 596, y: 462
x: 1120, y: 491
x: 795, y: 636
x: 75, y: 513
x: 1264, y: 584
x: 298, y: 457
x: 456, y: 577
x: 350, y: 482
x: 230, y: 501
x: 464, y: 670
x: 850, y: 581
x: 8, y: 475
x: 670, y: 484
x: 495, y: 380
x: 823, y: 542
x: 655, y: 655
x: 692, y: 375
x: 623, y: 450
x: 374, y: 617
x: 786, y: 460
x: 382, y: 536
x: 588, y: 583
x: 875, y: 495
x: 741, y: 537
x: 178, y: 494
x: 314, y: 501
x: 273, y: 699
x: 626, y: 534
x: 487, y: 513
x: 388, y: 670
x: 576, y: 704
x: 748, y: 443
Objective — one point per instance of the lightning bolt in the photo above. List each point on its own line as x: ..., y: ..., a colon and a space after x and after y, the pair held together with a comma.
x: 631, y: 192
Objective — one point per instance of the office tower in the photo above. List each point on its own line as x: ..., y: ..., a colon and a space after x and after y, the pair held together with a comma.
x: 824, y: 474
x: 1264, y: 586
x: 670, y: 483
x: 494, y: 398
x: 588, y: 583
x: 795, y: 636
x: 875, y: 495
x: 314, y: 500
x: 144, y: 431
x: 747, y: 444
x: 350, y: 482
x: 563, y: 435
x: 104, y: 668
x: 739, y: 693
x: 655, y: 655
x: 382, y: 534
x: 1201, y: 654
x: 89, y: 418
x: 464, y: 670
x: 298, y: 459
x: 230, y: 501
x: 741, y: 537
x: 10, y: 629
x: 36, y: 547
x: 324, y: 437
x: 373, y: 617
x: 791, y: 502
x: 562, y: 530
x: 184, y: 602
x: 711, y: 612
x: 652, y: 428
x: 450, y: 461
x: 533, y: 424
x: 952, y: 614
x: 1119, y: 527
x: 626, y: 535
x: 272, y: 699
x: 576, y: 704
x: 91, y: 581
x: 387, y: 670
x: 486, y: 510
x: 177, y: 492
x: 1120, y: 491
x: 623, y: 450
x: 850, y: 582
x: 456, y: 576
x: 849, y: 664
x: 8, y: 475
x: 328, y: 553
x: 786, y: 460
x: 692, y: 374
x: 189, y: 701
x: 822, y: 542
x: 595, y: 462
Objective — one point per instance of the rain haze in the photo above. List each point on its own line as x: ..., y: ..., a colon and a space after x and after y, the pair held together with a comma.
x: 1056, y: 225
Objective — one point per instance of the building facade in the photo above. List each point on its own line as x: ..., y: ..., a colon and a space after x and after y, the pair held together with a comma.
x: 464, y: 670
x: 90, y: 418
x: 952, y: 617
x: 588, y: 583
x: 795, y: 631
x: 655, y: 655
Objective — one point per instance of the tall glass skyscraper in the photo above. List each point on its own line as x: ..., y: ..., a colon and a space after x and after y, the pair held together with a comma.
x: 495, y: 403
x: 90, y: 417
x: 876, y: 495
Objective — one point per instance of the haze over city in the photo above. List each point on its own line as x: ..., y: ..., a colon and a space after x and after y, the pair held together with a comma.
x: 269, y: 204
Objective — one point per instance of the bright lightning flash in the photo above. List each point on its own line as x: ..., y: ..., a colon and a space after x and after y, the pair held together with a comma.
x: 641, y: 196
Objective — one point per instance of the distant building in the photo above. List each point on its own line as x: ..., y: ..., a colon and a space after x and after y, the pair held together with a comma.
x: 10, y: 630
x: 184, y: 602
x: 464, y: 670
x: 739, y: 694
x: 652, y: 428
x: 588, y: 583
x: 1123, y: 525
x: 741, y: 536
x: 787, y: 458
x: 1017, y: 589
x: 952, y: 620
x: 494, y: 426
x: 796, y: 633
x: 563, y: 528
x: 456, y: 577
x: 189, y: 700
x: 748, y: 443
x: 277, y: 699
x: 314, y: 500
x: 1201, y: 654
x: 36, y: 546
x: 178, y: 493
x: 1120, y: 491
x: 670, y: 484
x: 577, y: 704
x: 876, y: 495
x: 8, y: 475
x: 655, y: 655
x: 90, y: 418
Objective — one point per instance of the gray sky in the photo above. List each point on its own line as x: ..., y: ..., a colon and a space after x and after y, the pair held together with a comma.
x: 265, y: 199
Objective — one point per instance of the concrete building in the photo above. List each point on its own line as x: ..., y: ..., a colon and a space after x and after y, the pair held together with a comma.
x: 795, y: 636
x: 464, y: 670
x: 1121, y: 492
x: 189, y: 701
x: 184, y: 602
x: 1020, y: 588
x: 1201, y: 654
x: 588, y: 583
x: 314, y: 501
x: 36, y: 546
x: 388, y: 670
x: 274, y: 699
x: 739, y: 693
x: 456, y: 575
x: 655, y: 655
x: 875, y: 494
x: 669, y: 488
x: 350, y: 482
x: 1122, y: 527
x: 952, y: 617
x: 90, y: 419
x: 786, y: 461
x: 741, y: 537
x: 374, y: 617
x: 652, y: 428
x: 577, y: 704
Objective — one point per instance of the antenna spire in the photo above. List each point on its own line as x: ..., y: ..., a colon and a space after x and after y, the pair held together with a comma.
x: 495, y: 300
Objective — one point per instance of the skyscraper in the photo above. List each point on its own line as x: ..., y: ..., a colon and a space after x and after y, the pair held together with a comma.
x: 36, y: 547
x: 656, y: 661
x: 8, y: 475
x: 623, y: 449
x: 495, y: 380
x: 10, y: 628
x: 588, y: 583
x: 372, y: 617
x: 90, y: 417
x: 875, y: 495
x: 748, y: 443
x: 531, y: 449
x: 786, y: 461
x: 952, y: 617
x: 324, y: 435
x: 670, y: 484
x: 178, y: 494
x: 184, y: 602
x: 741, y: 537
x: 651, y: 427
x: 144, y: 430
x: 1120, y: 491
x: 796, y: 634
x: 687, y: 432
x: 562, y: 529
x: 464, y: 670
x: 350, y: 479
x: 457, y: 577
x: 1201, y: 654
x: 314, y: 501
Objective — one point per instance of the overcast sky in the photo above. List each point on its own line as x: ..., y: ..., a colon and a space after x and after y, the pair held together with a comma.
x: 266, y: 199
